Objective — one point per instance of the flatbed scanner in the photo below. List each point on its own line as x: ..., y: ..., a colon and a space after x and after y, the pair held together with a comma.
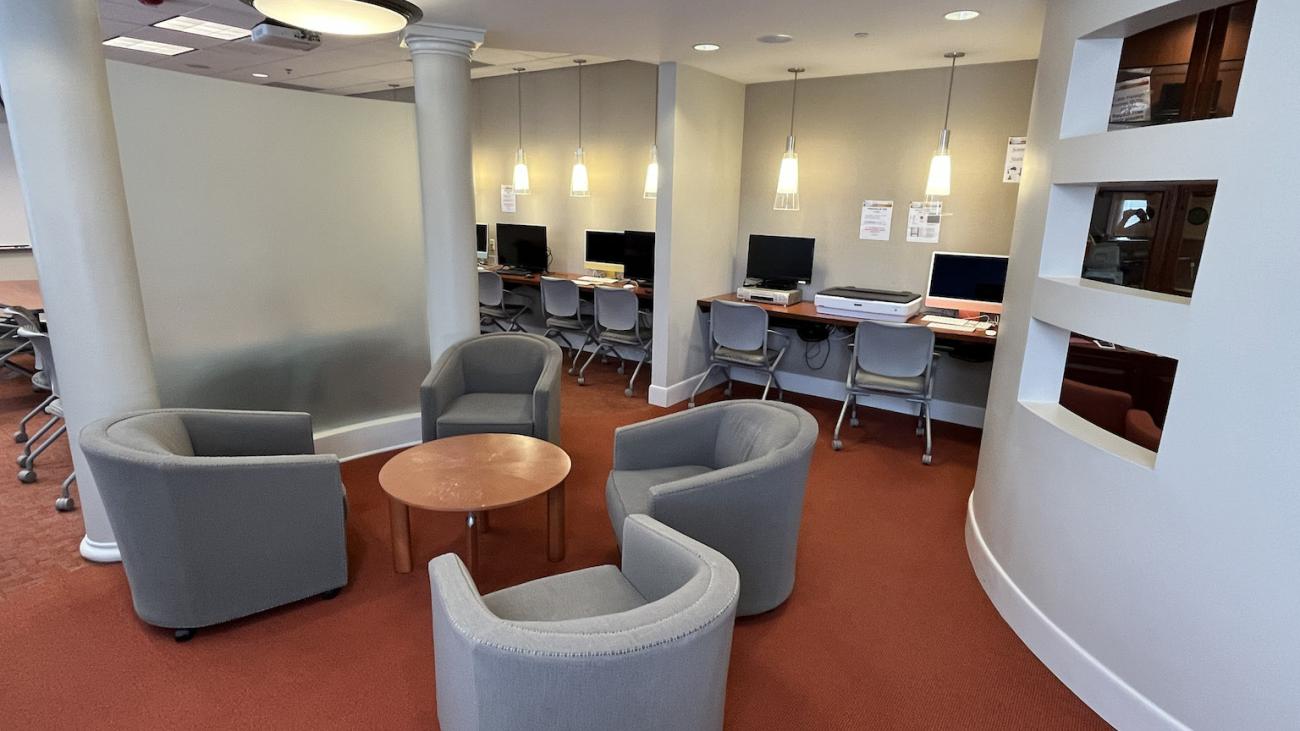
x: 868, y: 304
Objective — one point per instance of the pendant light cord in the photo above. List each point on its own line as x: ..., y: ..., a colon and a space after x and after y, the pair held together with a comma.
x: 519, y: 105
x: 794, y: 98
x: 952, y: 74
x: 655, y: 141
x: 579, y: 106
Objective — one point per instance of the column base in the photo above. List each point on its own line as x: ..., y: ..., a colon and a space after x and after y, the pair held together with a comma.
x: 100, y: 552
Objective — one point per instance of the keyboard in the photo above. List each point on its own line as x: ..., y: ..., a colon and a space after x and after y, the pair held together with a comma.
x: 946, y: 320
x: 515, y: 272
x: 597, y: 280
x: 947, y: 327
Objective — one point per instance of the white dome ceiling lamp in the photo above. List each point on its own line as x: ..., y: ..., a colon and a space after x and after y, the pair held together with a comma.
x: 579, y: 185
x: 341, y: 17
x: 787, y: 180
x: 939, y: 182
x: 521, y: 162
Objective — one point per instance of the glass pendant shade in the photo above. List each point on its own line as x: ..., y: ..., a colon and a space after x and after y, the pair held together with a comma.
x: 787, y: 180
x: 521, y: 173
x: 652, y: 174
x: 342, y: 17
x: 940, y: 180
x: 579, y: 186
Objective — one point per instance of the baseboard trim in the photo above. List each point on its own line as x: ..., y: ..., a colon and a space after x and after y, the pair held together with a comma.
x: 99, y: 552
x: 1114, y: 700
x: 363, y: 439
x: 678, y: 392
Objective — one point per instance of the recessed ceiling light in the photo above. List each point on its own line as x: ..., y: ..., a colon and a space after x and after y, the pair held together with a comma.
x: 775, y: 38
x: 261, y: 76
x: 136, y: 44
x: 962, y: 15
x: 706, y: 47
x: 344, y: 17
x: 204, y: 28
x: 861, y: 34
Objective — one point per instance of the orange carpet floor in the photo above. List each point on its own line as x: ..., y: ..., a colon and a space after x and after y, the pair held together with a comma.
x: 887, y: 626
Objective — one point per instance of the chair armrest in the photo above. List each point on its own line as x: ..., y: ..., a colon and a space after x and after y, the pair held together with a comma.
x: 226, y: 433
x: 687, y: 437
x: 546, y: 396
x: 658, y: 560
x: 444, y: 384
x: 1141, y: 429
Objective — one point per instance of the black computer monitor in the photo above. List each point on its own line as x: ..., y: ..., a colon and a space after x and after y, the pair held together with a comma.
x: 521, y: 246
x: 605, y: 251
x: 968, y: 282
x: 639, y: 255
x: 780, y: 260
x: 480, y: 239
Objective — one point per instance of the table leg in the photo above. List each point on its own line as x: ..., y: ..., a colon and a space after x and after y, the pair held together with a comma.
x: 471, y: 541
x: 483, y: 522
x: 555, y: 523
x: 399, y: 519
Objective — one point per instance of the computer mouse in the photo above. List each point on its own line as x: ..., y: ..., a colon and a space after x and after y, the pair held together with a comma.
x: 991, y: 333
x: 629, y: 286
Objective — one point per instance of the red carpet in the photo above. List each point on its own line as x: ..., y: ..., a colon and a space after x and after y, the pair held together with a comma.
x: 887, y: 627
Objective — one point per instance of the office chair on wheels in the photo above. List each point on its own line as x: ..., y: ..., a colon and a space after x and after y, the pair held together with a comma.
x: 34, y: 447
x: 891, y: 359
x: 565, y: 316
x: 618, y: 325
x: 15, y: 318
x: 496, y: 305
x: 739, y: 336
x: 12, y: 344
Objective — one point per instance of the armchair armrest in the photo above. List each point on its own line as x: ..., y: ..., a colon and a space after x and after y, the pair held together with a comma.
x: 444, y: 384
x: 224, y: 433
x: 687, y: 437
x: 546, y: 396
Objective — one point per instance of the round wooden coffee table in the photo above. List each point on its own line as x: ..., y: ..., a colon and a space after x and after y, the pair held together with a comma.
x: 472, y: 474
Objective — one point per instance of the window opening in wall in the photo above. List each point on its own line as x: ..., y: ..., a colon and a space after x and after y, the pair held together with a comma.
x: 1183, y: 70
x: 1120, y: 389
x: 1149, y: 236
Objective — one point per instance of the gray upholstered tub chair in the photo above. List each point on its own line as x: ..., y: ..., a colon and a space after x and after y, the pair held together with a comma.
x: 730, y: 475
x: 506, y: 383
x: 643, y: 648
x: 219, y: 514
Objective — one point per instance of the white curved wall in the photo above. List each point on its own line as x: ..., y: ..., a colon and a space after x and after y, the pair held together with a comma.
x: 1162, y: 590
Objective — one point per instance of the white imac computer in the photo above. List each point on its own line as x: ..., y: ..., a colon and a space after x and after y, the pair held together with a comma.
x: 969, y: 283
x: 605, y: 251
x: 481, y: 242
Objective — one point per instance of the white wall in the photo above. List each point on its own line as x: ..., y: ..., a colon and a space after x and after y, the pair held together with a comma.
x: 1161, y: 589
x: 13, y: 216
x: 277, y: 234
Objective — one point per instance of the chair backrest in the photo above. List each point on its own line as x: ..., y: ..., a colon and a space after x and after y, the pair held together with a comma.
x: 616, y: 308
x: 44, y: 354
x: 505, y: 362
x: 749, y: 430
x: 893, y: 349
x: 738, y: 325
x: 559, y: 297
x: 491, y: 290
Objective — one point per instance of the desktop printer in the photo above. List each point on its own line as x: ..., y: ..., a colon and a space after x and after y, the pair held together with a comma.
x: 768, y: 295
x: 868, y: 304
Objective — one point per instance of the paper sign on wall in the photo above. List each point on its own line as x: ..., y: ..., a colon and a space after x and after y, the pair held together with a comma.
x: 877, y: 220
x: 507, y: 199
x: 1015, y: 163
x: 923, y: 220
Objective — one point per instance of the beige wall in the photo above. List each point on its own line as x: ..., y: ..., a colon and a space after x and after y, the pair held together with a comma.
x: 13, y: 216
x: 618, y: 128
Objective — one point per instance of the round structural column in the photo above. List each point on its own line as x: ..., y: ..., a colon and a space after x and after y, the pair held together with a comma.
x: 440, y: 54
x: 65, y: 146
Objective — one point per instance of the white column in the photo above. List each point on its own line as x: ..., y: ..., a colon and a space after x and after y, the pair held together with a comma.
x: 65, y: 146
x: 440, y: 54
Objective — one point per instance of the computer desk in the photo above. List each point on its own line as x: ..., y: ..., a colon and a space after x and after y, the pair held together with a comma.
x: 807, y: 312
x: 535, y: 280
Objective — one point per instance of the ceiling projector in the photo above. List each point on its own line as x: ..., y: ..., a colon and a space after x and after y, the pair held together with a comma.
x: 271, y: 33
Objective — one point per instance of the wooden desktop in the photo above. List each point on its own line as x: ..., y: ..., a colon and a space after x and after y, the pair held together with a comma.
x: 535, y: 280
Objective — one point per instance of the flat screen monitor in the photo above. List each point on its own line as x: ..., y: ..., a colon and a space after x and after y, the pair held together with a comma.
x: 970, y: 282
x: 521, y: 246
x: 480, y: 240
x: 639, y: 255
x: 780, y: 260
x: 605, y: 251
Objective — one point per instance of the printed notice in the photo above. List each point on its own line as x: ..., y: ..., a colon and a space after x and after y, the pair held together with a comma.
x: 923, y: 220
x: 877, y: 220
x: 507, y: 199
x: 1132, y: 101
x: 1015, y: 164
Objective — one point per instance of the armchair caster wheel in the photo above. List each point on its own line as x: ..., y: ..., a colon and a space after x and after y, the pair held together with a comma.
x: 690, y: 404
x: 925, y: 459
x: 20, y: 436
x: 727, y: 392
x: 572, y: 372
x: 837, y: 445
x: 22, y: 460
x: 26, y: 476
x: 853, y: 423
x: 184, y: 635
x: 331, y: 593
x: 920, y: 431
x: 65, y: 504
x: 620, y: 370
x: 628, y: 392
x: 582, y: 381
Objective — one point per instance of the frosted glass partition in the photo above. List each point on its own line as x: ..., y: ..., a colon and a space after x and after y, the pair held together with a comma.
x: 278, y: 240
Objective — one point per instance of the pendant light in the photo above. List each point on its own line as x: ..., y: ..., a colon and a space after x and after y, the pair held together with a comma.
x: 342, y: 17
x: 939, y: 182
x: 652, y: 169
x: 578, y: 183
x: 787, y: 180
x: 521, y: 163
